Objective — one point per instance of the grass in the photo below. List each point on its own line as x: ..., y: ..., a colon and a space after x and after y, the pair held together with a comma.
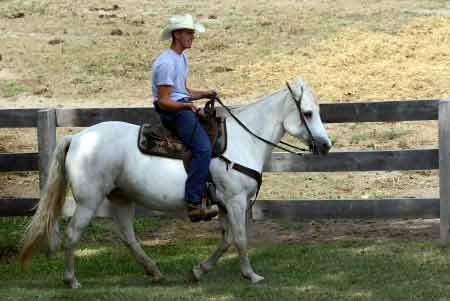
x: 380, y: 136
x: 392, y: 134
x: 343, y: 270
x: 11, y: 229
x: 13, y: 88
x: 347, y: 270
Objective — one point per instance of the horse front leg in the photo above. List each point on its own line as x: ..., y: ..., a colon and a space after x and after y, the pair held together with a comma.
x: 227, y: 239
x: 237, y: 214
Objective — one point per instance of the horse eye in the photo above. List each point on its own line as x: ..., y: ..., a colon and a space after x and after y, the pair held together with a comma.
x: 308, y: 114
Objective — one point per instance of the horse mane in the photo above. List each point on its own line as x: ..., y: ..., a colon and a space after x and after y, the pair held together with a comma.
x: 255, y: 102
x: 298, y: 82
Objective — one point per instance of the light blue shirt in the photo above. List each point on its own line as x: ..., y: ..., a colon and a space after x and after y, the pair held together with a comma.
x: 170, y: 69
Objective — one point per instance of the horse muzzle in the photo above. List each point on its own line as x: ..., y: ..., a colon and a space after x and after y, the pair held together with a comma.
x: 320, y: 146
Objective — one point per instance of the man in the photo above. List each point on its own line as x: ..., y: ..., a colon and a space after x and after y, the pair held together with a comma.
x: 172, y: 99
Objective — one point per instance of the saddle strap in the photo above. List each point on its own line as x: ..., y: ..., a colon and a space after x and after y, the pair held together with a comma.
x: 256, y: 175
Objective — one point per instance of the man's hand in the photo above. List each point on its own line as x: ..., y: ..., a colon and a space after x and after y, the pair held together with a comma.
x: 210, y: 94
x: 190, y: 106
x: 199, y: 94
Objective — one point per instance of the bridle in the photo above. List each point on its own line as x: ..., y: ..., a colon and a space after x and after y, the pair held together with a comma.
x: 254, y: 173
x: 298, y: 104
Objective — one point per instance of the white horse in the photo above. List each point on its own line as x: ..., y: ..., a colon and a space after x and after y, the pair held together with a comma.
x: 105, y: 157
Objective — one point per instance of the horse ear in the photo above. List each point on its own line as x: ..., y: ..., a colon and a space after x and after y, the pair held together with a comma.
x: 299, y: 81
x: 290, y: 89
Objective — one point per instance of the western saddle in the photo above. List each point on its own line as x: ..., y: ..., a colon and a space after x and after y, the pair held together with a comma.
x: 157, y: 140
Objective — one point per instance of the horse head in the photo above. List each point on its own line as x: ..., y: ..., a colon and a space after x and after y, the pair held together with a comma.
x: 302, y: 118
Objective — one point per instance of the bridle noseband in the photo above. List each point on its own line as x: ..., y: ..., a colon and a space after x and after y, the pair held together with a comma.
x: 298, y: 104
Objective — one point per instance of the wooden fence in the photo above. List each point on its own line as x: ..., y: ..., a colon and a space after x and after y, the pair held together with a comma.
x: 47, y: 120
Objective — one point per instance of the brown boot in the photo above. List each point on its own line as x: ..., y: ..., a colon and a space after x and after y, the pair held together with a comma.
x: 198, y: 212
x: 195, y: 212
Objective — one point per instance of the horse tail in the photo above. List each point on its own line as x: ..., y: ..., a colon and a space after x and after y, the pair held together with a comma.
x: 43, y: 229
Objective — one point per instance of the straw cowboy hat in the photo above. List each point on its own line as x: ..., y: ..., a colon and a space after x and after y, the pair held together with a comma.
x: 181, y: 22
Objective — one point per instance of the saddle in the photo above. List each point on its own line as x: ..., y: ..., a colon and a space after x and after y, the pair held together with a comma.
x: 157, y: 140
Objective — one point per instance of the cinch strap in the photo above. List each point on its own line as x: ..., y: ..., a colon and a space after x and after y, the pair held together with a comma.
x: 257, y: 176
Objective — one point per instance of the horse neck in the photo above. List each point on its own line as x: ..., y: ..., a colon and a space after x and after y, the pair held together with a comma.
x: 264, y: 118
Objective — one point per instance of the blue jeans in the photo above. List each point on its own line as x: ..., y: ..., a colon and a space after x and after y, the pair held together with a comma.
x: 194, y: 137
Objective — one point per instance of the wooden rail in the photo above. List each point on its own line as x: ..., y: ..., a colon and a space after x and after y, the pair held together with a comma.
x: 47, y: 120
x: 383, y: 111
x: 19, y: 162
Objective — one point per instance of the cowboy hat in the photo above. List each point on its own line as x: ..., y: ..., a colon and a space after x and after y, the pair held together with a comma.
x: 181, y: 22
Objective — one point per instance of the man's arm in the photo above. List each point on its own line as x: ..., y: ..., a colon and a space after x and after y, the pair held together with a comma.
x: 167, y: 104
x: 199, y: 94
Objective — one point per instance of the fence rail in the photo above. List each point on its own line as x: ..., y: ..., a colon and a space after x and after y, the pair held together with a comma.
x: 420, y: 159
x: 19, y: 162
x: 382, y: 111
x: 47, y: 120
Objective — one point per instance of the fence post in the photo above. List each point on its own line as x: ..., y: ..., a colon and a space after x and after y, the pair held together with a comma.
x: 444, y: 170
x: 46, y: 132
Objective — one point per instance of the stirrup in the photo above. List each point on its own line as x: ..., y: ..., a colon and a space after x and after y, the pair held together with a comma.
x: 210, y: 212
x: 210, y: 190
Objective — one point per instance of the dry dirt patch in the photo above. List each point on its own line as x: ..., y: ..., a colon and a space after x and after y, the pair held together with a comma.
x: 304, y: 232
x: 352, y: 64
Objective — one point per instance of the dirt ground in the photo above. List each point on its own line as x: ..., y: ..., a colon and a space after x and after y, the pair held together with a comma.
x: 305, y: 232
x: 270, y: 232
x: 97, y: 54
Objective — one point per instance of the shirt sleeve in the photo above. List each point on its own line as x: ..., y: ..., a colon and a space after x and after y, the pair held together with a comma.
x: 164, y: 74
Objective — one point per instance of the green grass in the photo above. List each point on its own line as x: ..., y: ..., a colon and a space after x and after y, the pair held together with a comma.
x: 12, y: 88
x: 345, y: 270
x: 342, y: 271
x: 392, y: 134
x: 11, y: 230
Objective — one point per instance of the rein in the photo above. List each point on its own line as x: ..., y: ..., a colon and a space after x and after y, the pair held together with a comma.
x: 253, y: 173
x: 302, y: 118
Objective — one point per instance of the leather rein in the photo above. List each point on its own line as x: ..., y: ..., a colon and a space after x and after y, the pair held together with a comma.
x: 298, y: 104
x: 256, y: 175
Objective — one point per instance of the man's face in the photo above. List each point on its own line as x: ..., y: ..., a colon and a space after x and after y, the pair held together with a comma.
x: 185, y: 37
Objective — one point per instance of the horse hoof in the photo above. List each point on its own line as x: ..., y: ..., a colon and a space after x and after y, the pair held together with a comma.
x: 72, y: 283
x: 256, y: 279
x: 196, y: 274
x: 159, y: 279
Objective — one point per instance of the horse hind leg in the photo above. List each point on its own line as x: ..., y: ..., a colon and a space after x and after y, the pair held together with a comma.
x: 77, y: 224
x: 123, y: 213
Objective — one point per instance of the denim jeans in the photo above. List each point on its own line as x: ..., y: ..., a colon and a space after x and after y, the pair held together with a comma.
x: 194, y: 137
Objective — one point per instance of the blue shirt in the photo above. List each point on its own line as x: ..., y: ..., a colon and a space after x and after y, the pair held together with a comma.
x: 170, y: 69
